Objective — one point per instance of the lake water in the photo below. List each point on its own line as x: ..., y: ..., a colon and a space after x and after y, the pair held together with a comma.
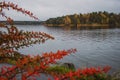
x: 98, y: 47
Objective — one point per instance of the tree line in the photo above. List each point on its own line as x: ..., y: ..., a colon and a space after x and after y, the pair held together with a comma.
x: 112, y: 19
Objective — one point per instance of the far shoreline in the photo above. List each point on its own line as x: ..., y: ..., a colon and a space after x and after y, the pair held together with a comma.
x: 84, y: 26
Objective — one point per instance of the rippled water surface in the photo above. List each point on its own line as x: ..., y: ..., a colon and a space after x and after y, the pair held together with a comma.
x: 97, y: 47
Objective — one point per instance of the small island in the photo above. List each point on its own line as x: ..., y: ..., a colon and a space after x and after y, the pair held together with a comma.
x: 86, y: 21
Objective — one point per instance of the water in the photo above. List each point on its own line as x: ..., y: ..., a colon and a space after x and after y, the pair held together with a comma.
x: 97, y: 47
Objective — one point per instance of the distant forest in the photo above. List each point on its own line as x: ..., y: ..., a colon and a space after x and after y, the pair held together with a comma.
x: 101, y: 18
x: 24, y: 22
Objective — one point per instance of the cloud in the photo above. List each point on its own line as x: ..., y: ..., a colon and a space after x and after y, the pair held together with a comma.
x: 45, y: 9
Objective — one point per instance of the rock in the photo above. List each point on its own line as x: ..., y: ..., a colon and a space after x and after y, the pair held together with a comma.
x: 68, y: 65
x: 116, y: 75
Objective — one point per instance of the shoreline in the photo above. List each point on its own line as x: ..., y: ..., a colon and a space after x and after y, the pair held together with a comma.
x: 84, y: 26
x: 75, y: 25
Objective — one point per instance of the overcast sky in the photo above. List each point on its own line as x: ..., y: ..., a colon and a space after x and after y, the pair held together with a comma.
x: 45, y: 9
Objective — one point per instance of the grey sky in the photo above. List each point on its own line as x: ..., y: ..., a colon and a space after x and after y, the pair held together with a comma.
x: 45, y: 9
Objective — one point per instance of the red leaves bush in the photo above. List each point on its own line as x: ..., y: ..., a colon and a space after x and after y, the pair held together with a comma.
x: 30, y: 66
x: 8, y: 5
x: 88, y: 72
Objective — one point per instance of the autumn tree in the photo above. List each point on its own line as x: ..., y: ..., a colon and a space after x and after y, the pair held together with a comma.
x: 111, y: 19
x: 67, y: 20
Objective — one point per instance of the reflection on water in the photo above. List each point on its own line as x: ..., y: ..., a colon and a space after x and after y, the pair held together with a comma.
x: 95, y: 47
